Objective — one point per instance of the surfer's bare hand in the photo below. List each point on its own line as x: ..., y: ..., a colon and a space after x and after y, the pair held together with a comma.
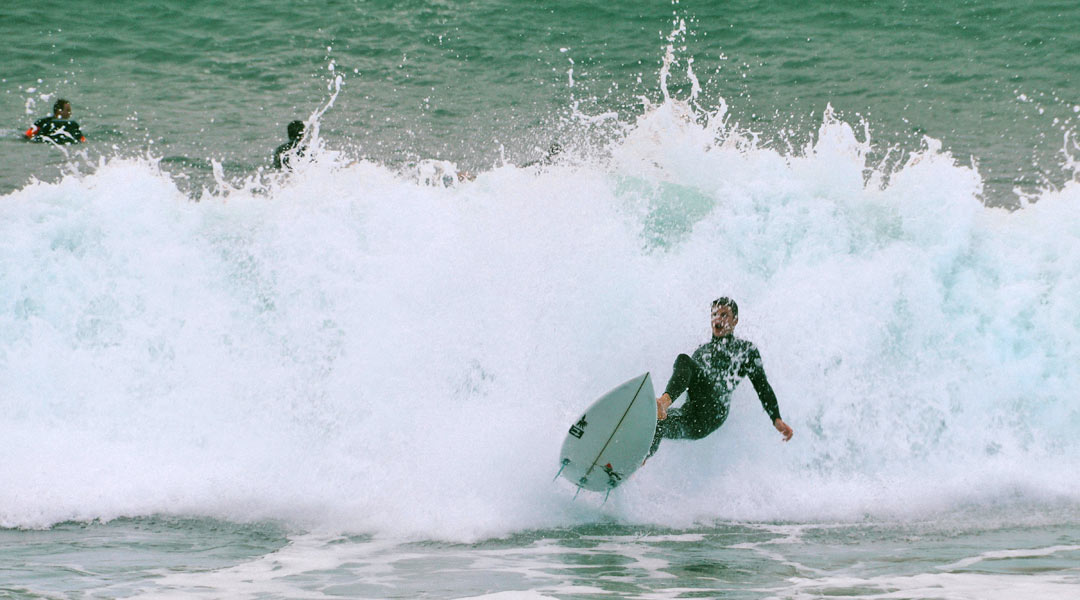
x: 662, y: 404
x: 784, y: 429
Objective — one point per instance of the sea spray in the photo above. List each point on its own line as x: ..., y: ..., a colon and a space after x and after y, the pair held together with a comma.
x: 351, y: 349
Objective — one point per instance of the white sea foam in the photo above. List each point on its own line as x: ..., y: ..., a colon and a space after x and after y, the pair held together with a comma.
x: 955, y: 586
x: 349, y: 349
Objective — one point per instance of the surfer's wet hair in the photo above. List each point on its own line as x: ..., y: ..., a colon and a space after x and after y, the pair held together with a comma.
x: 725, y: 301
x: 59, y: 105
x: 295, y: 130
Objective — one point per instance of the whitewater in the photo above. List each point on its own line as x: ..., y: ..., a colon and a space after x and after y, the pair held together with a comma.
x: 351, y: 348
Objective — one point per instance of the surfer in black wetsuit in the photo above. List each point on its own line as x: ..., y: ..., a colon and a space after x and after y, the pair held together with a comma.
x: 291, y: 148
x: 553, y: 152
x: 710, y: 377
x: 57, y: 128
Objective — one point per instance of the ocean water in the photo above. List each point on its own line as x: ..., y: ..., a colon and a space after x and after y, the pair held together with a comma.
x: 352, y: 379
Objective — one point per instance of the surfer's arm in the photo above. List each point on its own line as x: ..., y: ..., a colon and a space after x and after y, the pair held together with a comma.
x: 784, y: 429
x: 35, y: 128
x: 767, y: 396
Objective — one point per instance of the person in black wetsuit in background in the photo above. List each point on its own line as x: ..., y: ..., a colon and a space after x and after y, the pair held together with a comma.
x: 553, y: 152
x: 710, y: 377
x: 57, y: 128
x: 291, y: 148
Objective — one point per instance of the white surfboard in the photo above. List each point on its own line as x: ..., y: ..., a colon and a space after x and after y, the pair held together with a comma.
x: 611, y: 439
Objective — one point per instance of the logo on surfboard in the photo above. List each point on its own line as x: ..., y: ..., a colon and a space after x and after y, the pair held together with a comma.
x: 613, y: 478
x: 578, y: 429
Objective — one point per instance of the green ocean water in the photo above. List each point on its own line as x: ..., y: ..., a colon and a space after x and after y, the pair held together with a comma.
x: 167, y: 558
x: 351, y: 380
x: 483, y: 82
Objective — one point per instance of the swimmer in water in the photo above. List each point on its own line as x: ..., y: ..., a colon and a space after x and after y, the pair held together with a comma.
x: 57, y: 128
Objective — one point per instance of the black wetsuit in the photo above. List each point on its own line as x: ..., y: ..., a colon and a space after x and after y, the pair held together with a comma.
x: 710, y: 377
x: 58, y: 131
x: 281, y: 159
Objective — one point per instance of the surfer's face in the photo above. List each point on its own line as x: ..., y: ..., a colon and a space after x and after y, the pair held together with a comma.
x: 723, y: 321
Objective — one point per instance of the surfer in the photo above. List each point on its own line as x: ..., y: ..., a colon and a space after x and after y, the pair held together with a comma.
x: 553, y: 152
x: 710, y: 377
x: 57, y: 128
x: 291, y: 148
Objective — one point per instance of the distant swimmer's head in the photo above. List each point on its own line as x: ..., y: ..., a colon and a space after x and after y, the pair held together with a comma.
x: 296, y: 130
x: 725, y: 316
x: 61, y: 109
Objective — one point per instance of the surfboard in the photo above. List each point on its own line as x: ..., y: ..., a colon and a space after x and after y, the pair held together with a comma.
x: 609, y: 441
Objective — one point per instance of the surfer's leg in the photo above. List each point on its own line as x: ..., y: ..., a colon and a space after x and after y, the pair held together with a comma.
x: 685, y: 373
x: 674, y: 427
x: 681, y: 424
x: 703, y: 412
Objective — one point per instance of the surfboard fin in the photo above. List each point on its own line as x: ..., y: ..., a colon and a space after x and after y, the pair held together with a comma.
x: 565, y: 462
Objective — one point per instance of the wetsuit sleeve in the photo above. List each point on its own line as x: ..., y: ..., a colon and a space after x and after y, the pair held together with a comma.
x: 77, y: 133
x: 756, y: 373
x: 682, y: 373
x: 35, y: 128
